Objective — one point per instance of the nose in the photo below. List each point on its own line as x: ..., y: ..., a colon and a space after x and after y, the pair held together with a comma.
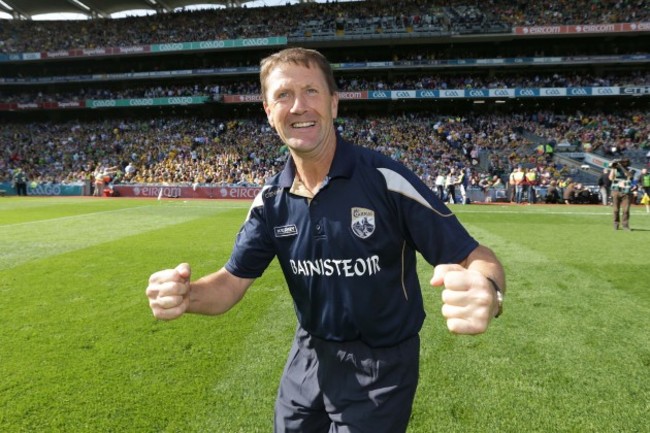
x: 299, y: 104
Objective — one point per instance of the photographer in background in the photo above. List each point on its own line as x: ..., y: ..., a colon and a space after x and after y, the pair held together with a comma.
x: 621, y: 177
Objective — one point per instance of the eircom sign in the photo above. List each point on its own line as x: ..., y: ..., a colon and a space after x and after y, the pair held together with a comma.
x: 175, y: 191
x: 155, y: 191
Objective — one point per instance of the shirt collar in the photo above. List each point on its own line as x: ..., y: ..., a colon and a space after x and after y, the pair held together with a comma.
x: 342, y: 164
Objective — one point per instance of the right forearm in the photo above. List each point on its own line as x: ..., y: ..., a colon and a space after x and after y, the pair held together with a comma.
x: 216, y: 293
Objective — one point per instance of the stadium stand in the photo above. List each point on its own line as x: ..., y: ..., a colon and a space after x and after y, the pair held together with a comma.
x: 174, y: 97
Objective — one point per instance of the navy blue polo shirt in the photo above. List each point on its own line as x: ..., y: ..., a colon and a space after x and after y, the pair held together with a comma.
x: 349, y: 254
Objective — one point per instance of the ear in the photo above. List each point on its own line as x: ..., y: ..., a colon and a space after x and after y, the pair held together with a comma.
x: 267, y: 110
x: 335, y: 105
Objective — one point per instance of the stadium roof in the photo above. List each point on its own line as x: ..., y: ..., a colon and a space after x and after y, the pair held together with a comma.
x: 104, y: 8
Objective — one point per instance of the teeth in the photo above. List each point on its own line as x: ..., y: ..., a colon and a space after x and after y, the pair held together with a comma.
x: 303, y: 124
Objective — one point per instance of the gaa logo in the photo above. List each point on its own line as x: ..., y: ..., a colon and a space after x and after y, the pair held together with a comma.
x: 578, y: 91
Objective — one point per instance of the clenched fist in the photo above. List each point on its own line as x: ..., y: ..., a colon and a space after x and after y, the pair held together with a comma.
x: 169, y: 292
x: 469, y: 301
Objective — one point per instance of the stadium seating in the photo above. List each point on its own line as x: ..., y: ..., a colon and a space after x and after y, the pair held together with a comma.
x: 407, y: 45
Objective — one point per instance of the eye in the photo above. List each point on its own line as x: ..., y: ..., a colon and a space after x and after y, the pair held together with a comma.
x: 312, y: 91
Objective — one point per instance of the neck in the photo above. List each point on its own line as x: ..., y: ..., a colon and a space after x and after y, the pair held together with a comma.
x: 311, y: 169
x: 312, y: 174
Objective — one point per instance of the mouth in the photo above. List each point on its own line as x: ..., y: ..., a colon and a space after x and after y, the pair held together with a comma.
x: 301, y: 125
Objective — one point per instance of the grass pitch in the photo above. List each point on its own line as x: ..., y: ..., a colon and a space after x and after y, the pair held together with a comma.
x: 81, y: 352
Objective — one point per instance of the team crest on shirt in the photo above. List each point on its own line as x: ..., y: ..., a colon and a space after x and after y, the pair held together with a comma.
x: 363, y: 222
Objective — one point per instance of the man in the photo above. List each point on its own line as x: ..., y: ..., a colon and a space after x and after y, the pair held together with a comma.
x: 519, y: 178
x: 440, y: 185
x: 345, y: 223
x: 462, y: 181
x: 20, y: 182
x: 531, y: 182
x: 644, y: 181
x: 604, y: 185
x: 450, y: 185
x: 552, y: 193
x: 621, y: 178
x: 512, y: 186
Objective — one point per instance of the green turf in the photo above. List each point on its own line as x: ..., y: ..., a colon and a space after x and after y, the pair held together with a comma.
x: 80, y: 351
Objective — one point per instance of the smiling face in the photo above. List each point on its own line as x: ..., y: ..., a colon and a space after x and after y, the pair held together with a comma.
x: 301, y: 108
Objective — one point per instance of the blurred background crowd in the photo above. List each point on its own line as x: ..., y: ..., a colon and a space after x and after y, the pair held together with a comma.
x: 479, y: 149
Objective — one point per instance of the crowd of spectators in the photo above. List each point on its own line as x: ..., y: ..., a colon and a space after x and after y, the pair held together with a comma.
x: 245, y: 151
x: 611, y: 135
x: 548, y: 12
x: 302, y: 20
x: 496, y: 81
x: 345, y: 83
x: 187, y: 150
